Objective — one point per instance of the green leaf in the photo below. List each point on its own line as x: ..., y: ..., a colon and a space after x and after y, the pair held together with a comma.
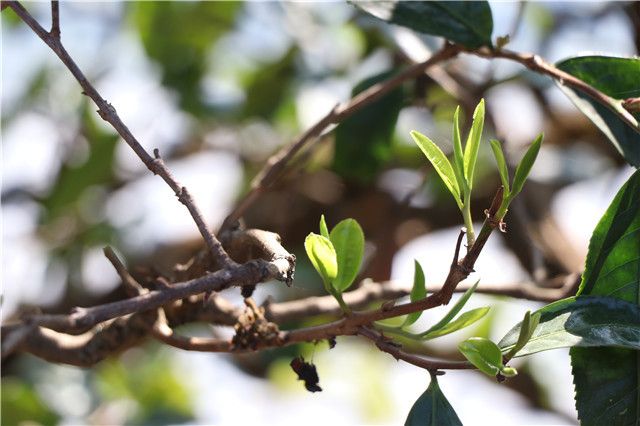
x: 607, y: 380
x: 440, y: 163
x: 418, y: 291
x: 348, y: 240
x: 502, y: 164
x: 617, y: 78
x: 453, y: 311
x: 458, y: 156
x: 467, y: 23
x: 584, y: 321
x: 363, y: 141
x: 324, y: 231
x: 482, y: 353
x: 523, y: 169
x: 464, y: 320
x: 527, y: 327
x: 473, y: 143
x: 322, y: 256
x: 432, y: 408
x: 613, y: 261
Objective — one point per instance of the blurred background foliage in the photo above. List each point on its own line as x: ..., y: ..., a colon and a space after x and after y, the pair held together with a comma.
x: 218, y: 87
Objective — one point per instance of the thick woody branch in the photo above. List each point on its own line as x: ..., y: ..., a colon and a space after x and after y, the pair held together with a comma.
x: 242, y: 246
x: 108, y: 113
x: 235, y: 276
x: 87, y: 349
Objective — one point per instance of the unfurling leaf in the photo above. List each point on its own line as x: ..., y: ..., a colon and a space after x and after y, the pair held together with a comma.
x: 458, y: 156
x: 473, y: 143
x: 348, y: 240
x: 453, y: 311
x: 418, y: 291
x: 440, y: 162
x: 323, y: 257
x: 324, y: 231
x: 482, y: 353
x: 523, y: 169
x: 502, y: 165
x: 463, y: 321
x: 527, y: 328
x: 432, y: 409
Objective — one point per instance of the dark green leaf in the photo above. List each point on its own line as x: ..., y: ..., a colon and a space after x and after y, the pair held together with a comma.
x: 363, y: 140
x: 523, y: 169
x: 466, y: 22
x: 583, y: 321
x: 463, y: 321
x: 502, y: 164
x: 482, y: 353
x: 473, y: 144
x: 432, y: 409
x: 617, y: 78
x: 613, y: 261
x: 453, y: 311
x: 322, y: 256
x: 440, y: 162
x: 418, y: 291
x: 348, y: 240
x: 607, y: 380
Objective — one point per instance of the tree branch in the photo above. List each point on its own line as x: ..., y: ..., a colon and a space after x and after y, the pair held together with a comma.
x: 395, y: 350
x: 108, y: 113
x: 537, y: 64
x: 276, y: 164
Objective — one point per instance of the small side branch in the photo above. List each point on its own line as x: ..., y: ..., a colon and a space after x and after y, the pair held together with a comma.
x: 55, y: 19
x: 395, y: 350
x: 277, y: 163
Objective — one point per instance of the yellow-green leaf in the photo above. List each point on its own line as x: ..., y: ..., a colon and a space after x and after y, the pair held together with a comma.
x: 440, y: 163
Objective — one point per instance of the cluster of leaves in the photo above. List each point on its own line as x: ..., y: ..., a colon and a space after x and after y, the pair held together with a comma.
x: 458, y: 177
x: 447, y: 324
x: 337, y: 256
x: 601, y: 323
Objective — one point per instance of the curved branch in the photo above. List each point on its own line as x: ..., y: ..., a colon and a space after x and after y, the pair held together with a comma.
x: 277, y: 162
x: 108, y: 113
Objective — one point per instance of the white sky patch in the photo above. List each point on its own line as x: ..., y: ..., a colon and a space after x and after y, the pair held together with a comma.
x: 30, y: 157
x: 579, y: 207
x: 98, y: 275
x: 153, y: 215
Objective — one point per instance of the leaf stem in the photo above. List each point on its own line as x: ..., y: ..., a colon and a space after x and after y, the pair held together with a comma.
x: 468, y: 222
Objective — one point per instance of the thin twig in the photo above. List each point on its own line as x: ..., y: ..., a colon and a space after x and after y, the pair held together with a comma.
x: 392, y: 348
x: 537, y: 64
x: 55, y: 19
x: 132, y: 287
x: 84, y: 318
x: 108, y: 113
x: 274, y: 166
